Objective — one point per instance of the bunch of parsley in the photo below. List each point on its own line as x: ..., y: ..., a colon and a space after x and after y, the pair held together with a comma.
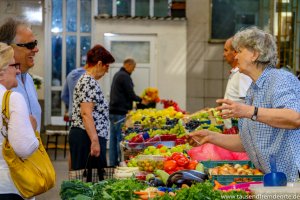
x: 117, y: 189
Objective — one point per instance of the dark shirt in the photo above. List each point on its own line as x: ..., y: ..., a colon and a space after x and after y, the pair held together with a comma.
x: 122, y: 94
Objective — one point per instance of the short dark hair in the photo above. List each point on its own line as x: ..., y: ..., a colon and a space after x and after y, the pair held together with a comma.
x: 99, y: 53
x: 129, y: 61
x: 8, y: 30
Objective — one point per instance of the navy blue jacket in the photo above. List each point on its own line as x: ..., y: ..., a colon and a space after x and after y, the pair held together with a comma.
x: 122, y: 94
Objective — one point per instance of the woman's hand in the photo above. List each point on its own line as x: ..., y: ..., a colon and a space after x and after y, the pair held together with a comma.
x: 95, y: 148
x: 198, y: 138
x: 33, y: 122
x: 231, y: 109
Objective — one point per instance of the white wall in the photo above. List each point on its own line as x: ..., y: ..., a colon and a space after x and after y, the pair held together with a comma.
x: 171, y: 51
x: 12, y: 9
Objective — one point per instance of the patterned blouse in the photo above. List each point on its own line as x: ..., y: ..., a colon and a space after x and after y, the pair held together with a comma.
x: 88, y: 89
x: 274, y: 89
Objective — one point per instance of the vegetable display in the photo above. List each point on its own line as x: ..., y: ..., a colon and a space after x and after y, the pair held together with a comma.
x: 130, y: 189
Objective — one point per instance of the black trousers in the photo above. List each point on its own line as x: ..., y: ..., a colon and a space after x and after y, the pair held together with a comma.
x: 10, y: 197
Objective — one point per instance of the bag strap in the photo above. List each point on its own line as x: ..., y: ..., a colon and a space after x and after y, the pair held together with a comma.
x: 5, y: 111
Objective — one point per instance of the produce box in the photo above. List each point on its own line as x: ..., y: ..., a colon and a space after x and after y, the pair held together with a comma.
x: 227, y: 179
x: 140, y: 145
x: 245, y: 169
x: 149, y: 163
x: 128, y: 153
x: 291, y: 191
x: 213, y: 163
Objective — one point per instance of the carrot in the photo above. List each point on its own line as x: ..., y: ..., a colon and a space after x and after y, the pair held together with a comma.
x: 140, y: 192
x: 160, y: 193
x: 217, y: 185
x: 233, y: 183
x: 146, y: 196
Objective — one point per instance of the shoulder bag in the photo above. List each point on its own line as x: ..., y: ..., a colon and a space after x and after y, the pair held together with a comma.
x: 33, y: 175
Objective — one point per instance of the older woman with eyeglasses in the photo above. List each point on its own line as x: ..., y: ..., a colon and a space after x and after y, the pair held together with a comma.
x: 90, y: 116
x: 268, y: 121
x: 20, y: 129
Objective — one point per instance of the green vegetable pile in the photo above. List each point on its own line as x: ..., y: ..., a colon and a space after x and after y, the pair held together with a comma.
x: 76, y: 190
x: 204, y: 191
x: 117, y: 189
x: 113, y: 189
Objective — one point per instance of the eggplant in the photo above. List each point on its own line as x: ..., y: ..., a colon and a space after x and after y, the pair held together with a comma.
x: 155, y: 182
x: 197, y: 173
x: 186, y: 177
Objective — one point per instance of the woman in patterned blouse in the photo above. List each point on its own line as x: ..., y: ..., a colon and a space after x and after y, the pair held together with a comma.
x: 90, y: 116
x: 269, y: 119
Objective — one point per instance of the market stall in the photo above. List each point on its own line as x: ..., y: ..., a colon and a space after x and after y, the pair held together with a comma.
x: 160, y: 164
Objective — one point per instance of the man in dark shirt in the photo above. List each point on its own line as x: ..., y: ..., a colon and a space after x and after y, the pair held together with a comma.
x: 122, y: 96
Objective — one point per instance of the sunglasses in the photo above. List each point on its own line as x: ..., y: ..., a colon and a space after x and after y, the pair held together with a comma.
x: 15, y: 65
x: 29, y: 45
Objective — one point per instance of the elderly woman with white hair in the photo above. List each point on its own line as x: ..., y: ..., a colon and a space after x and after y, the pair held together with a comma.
x: 20, y: 127
x: 269, y: 121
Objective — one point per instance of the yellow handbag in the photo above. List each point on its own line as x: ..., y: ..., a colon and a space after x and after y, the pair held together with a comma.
x: 33, y: 175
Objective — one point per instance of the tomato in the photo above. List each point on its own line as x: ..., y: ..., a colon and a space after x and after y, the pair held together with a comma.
x: 159, y: 146
x: 179, y: 168
x: 170, y: 172
x: 192, y: 164
x: 170, y: 165
x: 175, y: 154
x: 183, y: 161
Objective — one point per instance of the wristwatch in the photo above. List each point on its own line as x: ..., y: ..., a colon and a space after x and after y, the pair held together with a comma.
x: 254, y: 116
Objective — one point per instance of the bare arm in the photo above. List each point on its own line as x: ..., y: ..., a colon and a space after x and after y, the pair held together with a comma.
x: 33, y: 122
x: 86, y: 110
x: 230, y: 142
x: 275, y: 117
x: 279, y: 118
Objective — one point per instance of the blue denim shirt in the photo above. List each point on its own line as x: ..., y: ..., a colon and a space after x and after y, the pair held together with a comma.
x: 30, y: 95
x: 274, y: 89
x: 68, y: 89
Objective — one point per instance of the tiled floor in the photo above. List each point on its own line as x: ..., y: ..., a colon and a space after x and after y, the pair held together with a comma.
x: 61, y: 168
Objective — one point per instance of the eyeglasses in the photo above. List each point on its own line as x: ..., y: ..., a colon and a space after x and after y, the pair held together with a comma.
x: 16, y: 65
x: 29, y: 45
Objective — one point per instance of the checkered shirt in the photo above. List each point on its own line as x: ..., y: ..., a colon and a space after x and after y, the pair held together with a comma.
x: 274, y: 89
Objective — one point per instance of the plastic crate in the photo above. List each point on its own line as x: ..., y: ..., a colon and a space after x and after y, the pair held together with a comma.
x: 227, y: 179
x: 168, y: 144
x: 212, y: 163
x: 140, y: 145
x: 291, y: 191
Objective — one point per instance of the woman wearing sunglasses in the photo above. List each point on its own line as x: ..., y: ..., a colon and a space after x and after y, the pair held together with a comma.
x: 20, y: 129
x: 90, y: 116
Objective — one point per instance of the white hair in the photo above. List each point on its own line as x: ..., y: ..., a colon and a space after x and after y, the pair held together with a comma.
x: 260, y: 41
x: 6, y: 54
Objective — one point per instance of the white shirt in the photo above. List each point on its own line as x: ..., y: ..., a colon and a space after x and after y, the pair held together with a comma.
x: 236, y: 89
x: 20, y: 135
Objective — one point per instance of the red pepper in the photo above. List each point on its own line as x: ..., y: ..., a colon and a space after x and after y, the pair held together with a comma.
x: 183, y: 161
x: 170, y: 165
x: 137, y: 139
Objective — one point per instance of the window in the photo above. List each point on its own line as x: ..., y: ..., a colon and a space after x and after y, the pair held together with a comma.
x: 229, y: 16
x: 70, y: 40
x: 132, y: 8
